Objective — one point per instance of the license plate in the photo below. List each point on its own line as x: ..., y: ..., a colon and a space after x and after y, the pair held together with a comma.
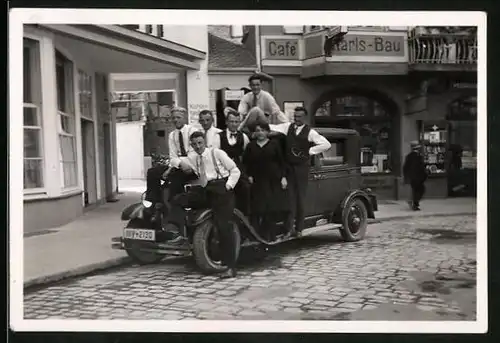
x: 139, y: 234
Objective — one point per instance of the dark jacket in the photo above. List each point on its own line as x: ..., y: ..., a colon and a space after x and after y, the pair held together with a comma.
x: 414, y: 170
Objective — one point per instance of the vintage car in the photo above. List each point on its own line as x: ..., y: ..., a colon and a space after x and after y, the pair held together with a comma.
x: 335, y: 201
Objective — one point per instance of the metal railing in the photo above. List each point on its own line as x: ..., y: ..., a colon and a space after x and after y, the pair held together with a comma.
x: 444, y: 49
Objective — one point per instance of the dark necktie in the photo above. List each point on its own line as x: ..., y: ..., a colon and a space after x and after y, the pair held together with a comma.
x: 181, y: 144
x: 254, y: 100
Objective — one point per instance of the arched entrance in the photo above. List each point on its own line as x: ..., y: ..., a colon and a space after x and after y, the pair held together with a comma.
x: 376, y: 117
x: 462, y: 146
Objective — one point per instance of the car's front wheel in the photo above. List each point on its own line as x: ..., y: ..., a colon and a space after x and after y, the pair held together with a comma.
x: 206, y: 250
x: 354, y: 220
x: 134, y: 251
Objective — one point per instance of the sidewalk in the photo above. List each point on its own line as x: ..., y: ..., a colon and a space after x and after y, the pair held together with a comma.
x: 84, y: 245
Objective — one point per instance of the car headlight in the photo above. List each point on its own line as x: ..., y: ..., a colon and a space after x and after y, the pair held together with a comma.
x: 147, y: 203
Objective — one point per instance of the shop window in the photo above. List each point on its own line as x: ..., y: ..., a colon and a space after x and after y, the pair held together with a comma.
x: 373, y: 123
x: 32, y: 120
x: 85, y: 94
x: 66, y: 111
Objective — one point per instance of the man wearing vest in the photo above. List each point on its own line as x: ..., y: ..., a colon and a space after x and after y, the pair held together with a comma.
x: 301, y: 142
x: 234, y: 142
x: 206, y: 120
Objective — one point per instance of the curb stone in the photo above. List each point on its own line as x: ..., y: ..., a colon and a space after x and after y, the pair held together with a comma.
x: 381, y: 220
x: 123, y: 261
x: 79, y: 271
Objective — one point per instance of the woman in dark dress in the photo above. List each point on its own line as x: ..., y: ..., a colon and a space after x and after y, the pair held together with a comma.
x: 265, y: 165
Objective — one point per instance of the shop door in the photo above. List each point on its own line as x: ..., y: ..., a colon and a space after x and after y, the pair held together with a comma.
x: 89, y: 162
x: 462, y: 152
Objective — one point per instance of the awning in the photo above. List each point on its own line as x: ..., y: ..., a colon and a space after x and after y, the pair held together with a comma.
x: 120, y: 50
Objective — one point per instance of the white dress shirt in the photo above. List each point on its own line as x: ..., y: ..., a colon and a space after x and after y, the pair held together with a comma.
x: 227, y: 167
x: 174, y: 145
x: 321, y: 143
x: 266, y: 102
x: 211, y: 135
x: 231, y: 140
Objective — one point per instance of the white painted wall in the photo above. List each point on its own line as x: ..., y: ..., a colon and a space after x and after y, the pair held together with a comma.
x: 198, y: 95
x: 193, y: 36
x: 130, y: 150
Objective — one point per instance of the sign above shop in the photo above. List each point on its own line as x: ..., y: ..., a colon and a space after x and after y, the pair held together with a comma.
x: 281, y: 49
x: 231, y: 95
x: 370, y: 45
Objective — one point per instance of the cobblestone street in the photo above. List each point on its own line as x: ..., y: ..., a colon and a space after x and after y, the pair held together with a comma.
x: 412, y: 269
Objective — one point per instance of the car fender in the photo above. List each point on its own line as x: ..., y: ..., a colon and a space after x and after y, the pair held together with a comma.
x: 240, y: 218
x: 133, y: 211
x: 361, y: 194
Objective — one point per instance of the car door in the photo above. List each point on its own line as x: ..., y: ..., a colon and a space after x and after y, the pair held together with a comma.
x: 333, y: 177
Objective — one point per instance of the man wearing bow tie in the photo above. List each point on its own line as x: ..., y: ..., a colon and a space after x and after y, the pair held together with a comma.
x: 206, y: 121
x: 234, y: 142
x: 301, y: 142
x: 217, y: 176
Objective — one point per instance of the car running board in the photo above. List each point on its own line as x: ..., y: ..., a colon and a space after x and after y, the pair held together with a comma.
x: 305, y: 232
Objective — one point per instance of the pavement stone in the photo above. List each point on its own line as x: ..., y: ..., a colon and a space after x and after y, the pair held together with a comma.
x: 408, y: 263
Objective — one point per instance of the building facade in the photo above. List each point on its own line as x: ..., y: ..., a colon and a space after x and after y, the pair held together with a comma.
x: 393, y: 85
x: 70, y: 153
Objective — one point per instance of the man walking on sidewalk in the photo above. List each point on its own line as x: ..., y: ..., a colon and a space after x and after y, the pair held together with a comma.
x: 415, y: 174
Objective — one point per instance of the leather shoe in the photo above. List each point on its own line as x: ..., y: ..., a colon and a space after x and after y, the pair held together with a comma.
x: 230, y: 273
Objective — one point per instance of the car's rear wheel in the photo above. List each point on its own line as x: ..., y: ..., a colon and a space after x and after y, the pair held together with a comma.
x: 206, y: 247
x: 354, y: 220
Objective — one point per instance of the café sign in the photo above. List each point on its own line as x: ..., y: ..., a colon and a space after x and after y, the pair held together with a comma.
x: 281, y: 49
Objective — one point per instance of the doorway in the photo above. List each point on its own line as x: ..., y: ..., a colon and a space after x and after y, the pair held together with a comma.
x: 89, y: 162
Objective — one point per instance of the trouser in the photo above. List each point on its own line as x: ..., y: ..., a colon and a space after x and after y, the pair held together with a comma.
x: 221, y: 202
x: 242, y: 195
x: 417, y: 192
x: 177, y: 179
x: 153, y: 177
x: 297, y: 183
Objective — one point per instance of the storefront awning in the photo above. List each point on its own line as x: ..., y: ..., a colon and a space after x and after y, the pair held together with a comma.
x: 120, y: 50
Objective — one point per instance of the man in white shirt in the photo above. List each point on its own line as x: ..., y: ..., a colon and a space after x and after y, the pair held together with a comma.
x: 206, y: 120
x: 217, y: 176
x: 178, y: 146
x: 301, y: 142
x: 234, y: 143
x: 262, y: 99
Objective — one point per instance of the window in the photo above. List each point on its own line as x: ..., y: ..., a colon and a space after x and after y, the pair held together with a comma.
x: 293, y: 29
x: 85, y: 94
x: 159, y: 30
x: 149, y: 29
x: 335, y: 155
x: 313, y: 28
x: 66, y: 111
x: 32, y: 121
x: 370, y: 119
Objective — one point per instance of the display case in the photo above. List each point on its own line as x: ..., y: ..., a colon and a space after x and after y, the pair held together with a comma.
x: 434, y: 140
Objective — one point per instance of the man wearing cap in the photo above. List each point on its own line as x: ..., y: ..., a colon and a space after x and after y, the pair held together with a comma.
x: 415, y: 174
